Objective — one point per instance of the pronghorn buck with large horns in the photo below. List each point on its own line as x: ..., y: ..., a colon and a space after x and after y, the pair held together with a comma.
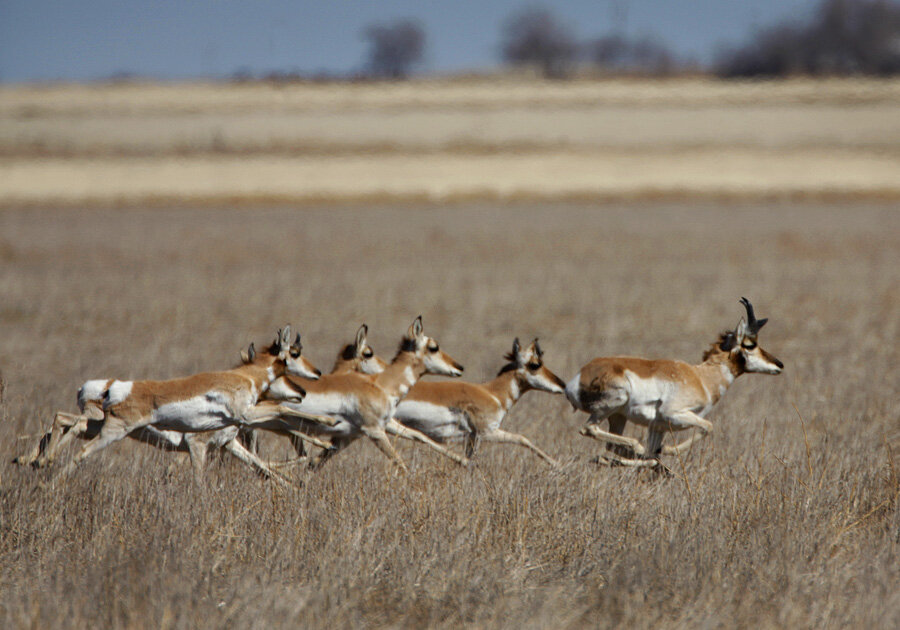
x: 470, y: 412
x: 364, y: 404
x: 203, y: 404
x: 664, y: 395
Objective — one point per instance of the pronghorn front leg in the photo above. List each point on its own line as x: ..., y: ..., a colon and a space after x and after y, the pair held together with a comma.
x: 378, y: 435
x: 592, y: 429
x: 197, y: 445
x: 395, y: 428
x: 686, y: 420
x: 234, y: 447
x: 504, y: 437
x: 270, y: 410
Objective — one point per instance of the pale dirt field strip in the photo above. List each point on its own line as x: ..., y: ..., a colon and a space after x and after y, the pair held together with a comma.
x: 436, y: 140
x: 741, y: 173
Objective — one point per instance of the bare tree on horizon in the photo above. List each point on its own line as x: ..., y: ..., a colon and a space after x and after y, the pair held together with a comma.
x: 394, y: 48
x: 535, y: 37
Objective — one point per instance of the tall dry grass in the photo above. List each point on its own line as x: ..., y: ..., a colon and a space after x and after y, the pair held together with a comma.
x: 786, y: 516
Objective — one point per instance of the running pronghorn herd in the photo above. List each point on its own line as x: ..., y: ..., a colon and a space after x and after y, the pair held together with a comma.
x: 279, y: 391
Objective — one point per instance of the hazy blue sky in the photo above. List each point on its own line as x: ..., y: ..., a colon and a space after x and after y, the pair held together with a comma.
x: 89, y: 39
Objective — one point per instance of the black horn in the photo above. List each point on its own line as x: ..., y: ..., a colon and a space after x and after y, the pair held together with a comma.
x: 753, y: 324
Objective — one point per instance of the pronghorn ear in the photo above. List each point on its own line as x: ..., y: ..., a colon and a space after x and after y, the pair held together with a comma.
x: 741, y: 331
x: 245, y: 358
x: 361, y: 335
x: 416, y: 329
x: 251, y: 352
x: 537, y: 348
x: 297, y: 343
x: 286, y: 337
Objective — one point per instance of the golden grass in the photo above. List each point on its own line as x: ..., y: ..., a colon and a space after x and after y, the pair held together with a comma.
x: 786, y: 516
x: 495, y: 139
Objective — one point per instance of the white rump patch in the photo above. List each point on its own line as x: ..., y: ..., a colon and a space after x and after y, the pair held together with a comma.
x: 91, y: 391
x: 572, y: 388
x: 118, y: 392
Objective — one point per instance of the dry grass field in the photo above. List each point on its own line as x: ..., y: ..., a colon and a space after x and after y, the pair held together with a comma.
x: 787, y: 516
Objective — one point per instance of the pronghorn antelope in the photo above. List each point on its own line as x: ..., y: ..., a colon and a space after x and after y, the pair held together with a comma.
x: 664, y: 395
x: 86, y: 425
x: 451, y: 411
x: 353, y: 357
x: 207, y: 407
x: 364, y: 404
x: 358, y: 357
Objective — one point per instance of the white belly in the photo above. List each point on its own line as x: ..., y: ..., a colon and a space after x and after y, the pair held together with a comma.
x: 200, y: 413
x: 435, y: 421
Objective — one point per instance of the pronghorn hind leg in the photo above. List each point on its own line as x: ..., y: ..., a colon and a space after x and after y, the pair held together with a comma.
x: 395, y: 428
x: 65, y: 426
x: 500, y: 436
x: 113, y: 430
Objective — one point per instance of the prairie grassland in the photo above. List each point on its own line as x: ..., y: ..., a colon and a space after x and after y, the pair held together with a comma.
x: 787, y: 516
x: 487, y: 139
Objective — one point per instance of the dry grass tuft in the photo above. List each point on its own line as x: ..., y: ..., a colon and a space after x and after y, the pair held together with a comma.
x: 786, y: 516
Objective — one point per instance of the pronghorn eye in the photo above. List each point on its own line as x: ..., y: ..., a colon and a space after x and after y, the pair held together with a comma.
x: 749, y: 345
x: 533, y: 366
x: 295, y: 353
x: 367, y: 354
x: 433, y: 347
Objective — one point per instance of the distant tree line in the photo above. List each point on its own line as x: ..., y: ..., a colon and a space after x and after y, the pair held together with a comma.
x: 534, y: 37
x: 842, y: 37
x: 839, y: 37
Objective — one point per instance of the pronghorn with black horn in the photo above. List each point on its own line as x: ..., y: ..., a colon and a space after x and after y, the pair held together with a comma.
x: 207, y: 407
x: 664, y: 395
x: 470, y: 412
x: 364, y: 404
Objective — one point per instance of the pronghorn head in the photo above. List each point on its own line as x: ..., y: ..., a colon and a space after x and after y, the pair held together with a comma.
x: 743, y: 349
x: 288, y: 354
x: 530, y: 369
x: 359, y: 356
x: 427, y: 350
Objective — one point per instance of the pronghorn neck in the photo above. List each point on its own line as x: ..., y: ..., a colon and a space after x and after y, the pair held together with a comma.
x: 717, y: 373
x: 507, y: 388
x: 403, y: 372
x: 262, y: 373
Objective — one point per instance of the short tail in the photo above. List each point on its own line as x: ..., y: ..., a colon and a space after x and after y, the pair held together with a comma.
x: 572, y: 388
